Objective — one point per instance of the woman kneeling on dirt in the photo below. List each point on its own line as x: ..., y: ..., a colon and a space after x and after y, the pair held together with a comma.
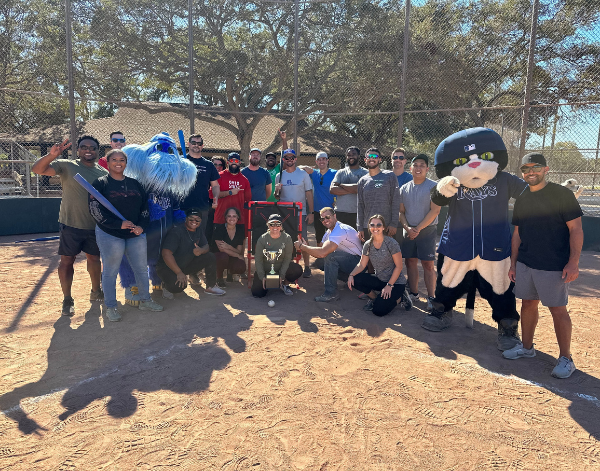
x: 384, y: 253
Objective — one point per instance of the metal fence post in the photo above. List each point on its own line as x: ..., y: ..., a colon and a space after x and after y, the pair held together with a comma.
x: 69, y: 44
x: 191, y: 64
x: 530, y: 66
x: 596, y: 160
x: 404, y: 67
x: 296, y: 22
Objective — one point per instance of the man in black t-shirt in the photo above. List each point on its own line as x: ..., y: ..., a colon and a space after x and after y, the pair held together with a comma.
x: 185, y: 252
x: 546, y: 246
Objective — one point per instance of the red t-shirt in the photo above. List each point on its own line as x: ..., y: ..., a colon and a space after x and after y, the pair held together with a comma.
x: 103, y: 162
x: 229, y: 181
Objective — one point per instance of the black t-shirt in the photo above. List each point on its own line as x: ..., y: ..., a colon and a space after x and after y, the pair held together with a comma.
x: 220, y: 233
x: 181, y: 242
x: 128, y: 197
x: 541, y: 217
x: 198, y: 196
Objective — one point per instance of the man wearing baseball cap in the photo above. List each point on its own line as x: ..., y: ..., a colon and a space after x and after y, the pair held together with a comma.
x: 545, y: 251
x: 259, y: 178
x: 234, y: 189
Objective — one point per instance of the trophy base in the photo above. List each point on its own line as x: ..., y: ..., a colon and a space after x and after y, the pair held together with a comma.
x: 272, y: 281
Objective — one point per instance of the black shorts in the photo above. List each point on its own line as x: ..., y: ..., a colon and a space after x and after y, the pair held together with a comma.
x: 319, y: 227
x: 74, y: 241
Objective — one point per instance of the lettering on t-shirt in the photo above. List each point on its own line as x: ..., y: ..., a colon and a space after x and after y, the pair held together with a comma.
x: 234, y: 184
x: 477, y: 194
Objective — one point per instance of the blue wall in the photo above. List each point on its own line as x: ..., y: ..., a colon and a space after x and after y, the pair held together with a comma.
x: 28, y: 215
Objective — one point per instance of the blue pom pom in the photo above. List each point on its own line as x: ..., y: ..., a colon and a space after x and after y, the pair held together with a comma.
x: 156, y: 211
x: 179, y: 216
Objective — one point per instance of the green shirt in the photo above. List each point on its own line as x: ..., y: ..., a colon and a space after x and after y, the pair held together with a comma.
x: 74, y: 210
x: 265, y: 241
x: 273, y: 172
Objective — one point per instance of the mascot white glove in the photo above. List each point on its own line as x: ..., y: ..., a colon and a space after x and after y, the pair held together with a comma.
x: 448, y: 186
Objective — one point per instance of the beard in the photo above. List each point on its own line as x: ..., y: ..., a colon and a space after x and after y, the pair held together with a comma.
x: 234, y: 168
x: 372, y: 165
x: 352, y: 160
x: 254, y: 161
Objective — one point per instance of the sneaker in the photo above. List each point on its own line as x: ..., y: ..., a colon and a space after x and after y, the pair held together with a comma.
x: 193, y: 279
x: 508, y: 336
x: 307, y: 273
x: 112, y: 314
x: 325, y: 298
x: 221, y: 283
x: 150, y: 306
x: 229, y: 278
x: 437, y: 321
x: 97, y: 295
x: 564, y: 368
x: 215, y: 291
x: 68, y: 307
x: 244, y: 276
x: 429, y: 303
x: 287, y: 290
x: 368, y: 306
x: 518, y: 351
x: 363, y: 296
x: 414, y: 297
x: 166, y: 293
x: 406, y: 301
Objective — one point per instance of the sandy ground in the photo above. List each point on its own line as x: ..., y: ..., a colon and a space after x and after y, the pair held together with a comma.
x: 228, y: 383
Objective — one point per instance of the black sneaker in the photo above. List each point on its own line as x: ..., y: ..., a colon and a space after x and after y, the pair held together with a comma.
x: 221, y: 283
x: 68, y: 307
x: 229, y: 278
x: 307, y: 273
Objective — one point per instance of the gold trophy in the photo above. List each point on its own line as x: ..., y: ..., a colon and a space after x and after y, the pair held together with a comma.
x: 272, y: 277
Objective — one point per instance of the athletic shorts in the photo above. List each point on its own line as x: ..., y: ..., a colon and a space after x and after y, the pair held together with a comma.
x: 546, y: 286
x: 319, y: 227
x: 73, y: 241
x: 304, y: 228
x: 422, y: 247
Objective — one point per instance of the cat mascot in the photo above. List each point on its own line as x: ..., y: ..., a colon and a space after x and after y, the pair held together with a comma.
x: 167, y: 178
x: 474, y: 248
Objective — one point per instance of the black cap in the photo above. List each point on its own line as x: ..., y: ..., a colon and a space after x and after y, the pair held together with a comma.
x: 424, y: 157
x: 193, y: 212
x: 234, y: 155
x: 271, y: 153
x: 534, y: 158
x: 274, y: 218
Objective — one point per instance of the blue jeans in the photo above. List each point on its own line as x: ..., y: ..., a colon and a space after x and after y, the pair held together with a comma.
x: 334, y: 263
x: 112, y: 250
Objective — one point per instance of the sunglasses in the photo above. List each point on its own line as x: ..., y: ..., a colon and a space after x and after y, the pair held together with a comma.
x: 321, y: 180
x: 373, y: 224
x: 197, y: 143
x: 325, y: 218
x: 88, y: 147
x: 535, y: 169
x: 399, y: 157
x: 275, y: 224
x: 289, y: 158
x: 372, y: 156
x: 234, y: 161
x: 217, y: 164
x: 115, y: 139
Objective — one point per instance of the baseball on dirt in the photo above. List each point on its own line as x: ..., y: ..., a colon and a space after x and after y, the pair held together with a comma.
x: 271, y: 303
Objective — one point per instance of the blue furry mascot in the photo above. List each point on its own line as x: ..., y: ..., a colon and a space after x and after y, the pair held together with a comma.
x: 167, y: 178
x: 474, y: 249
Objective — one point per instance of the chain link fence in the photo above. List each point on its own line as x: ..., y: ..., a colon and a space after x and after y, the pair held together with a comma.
x: 332, y: 74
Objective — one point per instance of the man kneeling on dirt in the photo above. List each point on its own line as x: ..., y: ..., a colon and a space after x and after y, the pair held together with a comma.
x: 185, y: 252
x: 341, y: 250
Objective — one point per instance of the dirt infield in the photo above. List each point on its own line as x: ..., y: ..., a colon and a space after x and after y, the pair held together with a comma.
x: 228, y: 383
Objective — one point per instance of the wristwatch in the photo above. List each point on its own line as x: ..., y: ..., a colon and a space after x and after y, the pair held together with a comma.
x: 391, y: 286
x: 230, y: 192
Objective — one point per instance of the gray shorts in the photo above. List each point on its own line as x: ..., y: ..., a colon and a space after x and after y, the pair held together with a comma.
x: 547, y: 286
x: 423, y: 247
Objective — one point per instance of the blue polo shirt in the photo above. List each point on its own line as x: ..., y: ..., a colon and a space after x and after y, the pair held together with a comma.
x: 321, y: 184
x: 477, y: 222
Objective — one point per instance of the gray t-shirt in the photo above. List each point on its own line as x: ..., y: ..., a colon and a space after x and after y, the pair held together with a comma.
x: 378, y: 194
x: 347, y: 203
x: 417, y: 201
x: 295, y: 186
x: 382, y: 260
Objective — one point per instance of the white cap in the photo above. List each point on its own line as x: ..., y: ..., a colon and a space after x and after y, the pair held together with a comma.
x: 321, y: 154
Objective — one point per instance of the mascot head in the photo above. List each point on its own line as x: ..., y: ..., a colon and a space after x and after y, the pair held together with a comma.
x: 474, y: 156
x: 159, y: 167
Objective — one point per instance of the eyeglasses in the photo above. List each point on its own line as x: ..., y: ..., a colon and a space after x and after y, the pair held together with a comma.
x: 375, y: 224
x: 372, y: 156
x: 115, y: 139
x: 325, y: 218
x: 399, y: 157
x: 535, y: 169
x: 197, y: 143
x: 88, y: 147
x: 191, y: 219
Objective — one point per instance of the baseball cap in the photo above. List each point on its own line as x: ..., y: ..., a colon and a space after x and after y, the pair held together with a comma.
x: 234, y: 155
x: 271, y: 153
x: 274, y: 218
x: 193, y: 212
x: 289, y: 151
x: 256, y: 149
x: 321, y: 154
x: 424, y: 157
x: 534, y: 158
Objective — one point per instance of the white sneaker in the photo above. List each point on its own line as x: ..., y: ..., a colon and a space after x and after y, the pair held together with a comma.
x: 429, y: 303
x: 287, y: 290
x: 215, y: 291
x: 166, y: 293
x: 413, y: 298
x: 564, y: 368
x: 518, y: 351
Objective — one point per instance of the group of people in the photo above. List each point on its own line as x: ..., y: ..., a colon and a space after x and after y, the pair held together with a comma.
x: 366, y: 220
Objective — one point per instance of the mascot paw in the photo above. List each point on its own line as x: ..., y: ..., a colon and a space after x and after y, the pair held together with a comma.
x: 448, y: 186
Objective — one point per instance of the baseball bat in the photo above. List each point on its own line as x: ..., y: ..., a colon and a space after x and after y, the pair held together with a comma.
x: 181, y: 142
x: 101, y: 199
x: 39, y: 239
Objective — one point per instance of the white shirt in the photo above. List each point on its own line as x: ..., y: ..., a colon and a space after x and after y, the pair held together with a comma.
x: 345, y: 237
